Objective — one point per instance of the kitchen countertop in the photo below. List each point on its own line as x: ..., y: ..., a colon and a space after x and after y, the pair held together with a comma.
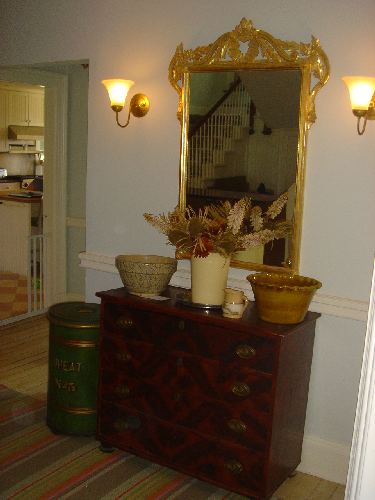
x: 17, y: 178
x: 6, y: 196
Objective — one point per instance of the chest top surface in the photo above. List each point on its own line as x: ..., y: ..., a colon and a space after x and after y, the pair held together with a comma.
x: 172, y: 306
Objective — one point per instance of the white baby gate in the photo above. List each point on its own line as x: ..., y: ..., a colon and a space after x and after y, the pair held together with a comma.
x: 36, y: 273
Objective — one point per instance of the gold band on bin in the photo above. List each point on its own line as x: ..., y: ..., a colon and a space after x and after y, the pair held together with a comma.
x: 76, y: 411
x: 75, y: 343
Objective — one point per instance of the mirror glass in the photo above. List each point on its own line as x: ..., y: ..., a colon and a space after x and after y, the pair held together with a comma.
x: 242, y: 134
x: 246, y: 104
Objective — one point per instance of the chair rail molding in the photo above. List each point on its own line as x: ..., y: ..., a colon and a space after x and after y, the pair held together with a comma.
x: 323, y: 303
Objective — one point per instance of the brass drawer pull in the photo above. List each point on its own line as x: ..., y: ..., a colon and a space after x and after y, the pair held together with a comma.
x: 122, y: 390
x: 234, y: 466
x: 241, y: 389
x: 237, y: 426
x: 123, y: 356
x: 245, y: 351
x: 125, y: 322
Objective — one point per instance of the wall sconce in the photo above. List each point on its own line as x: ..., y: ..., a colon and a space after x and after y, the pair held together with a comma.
x: 362, y: 97
x: 118, y: 90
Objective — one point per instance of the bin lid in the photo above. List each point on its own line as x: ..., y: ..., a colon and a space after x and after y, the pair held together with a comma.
x: 78, y: 314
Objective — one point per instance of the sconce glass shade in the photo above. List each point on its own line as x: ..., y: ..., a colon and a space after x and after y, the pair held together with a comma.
x: 361, y: 90
x: 117, y: 90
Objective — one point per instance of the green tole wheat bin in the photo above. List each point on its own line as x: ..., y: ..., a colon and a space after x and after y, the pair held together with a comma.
x: 73, y: 367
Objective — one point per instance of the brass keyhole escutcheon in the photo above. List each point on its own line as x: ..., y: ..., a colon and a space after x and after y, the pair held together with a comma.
x: 241, y: 389
x: 245, y: 351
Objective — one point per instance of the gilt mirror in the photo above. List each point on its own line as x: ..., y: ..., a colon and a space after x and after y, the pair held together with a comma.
x: 246, y: 102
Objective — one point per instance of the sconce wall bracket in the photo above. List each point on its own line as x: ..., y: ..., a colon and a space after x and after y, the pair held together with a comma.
x: 139, y: 105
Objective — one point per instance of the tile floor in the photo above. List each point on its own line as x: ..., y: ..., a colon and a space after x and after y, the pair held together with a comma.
x: 13, y: 295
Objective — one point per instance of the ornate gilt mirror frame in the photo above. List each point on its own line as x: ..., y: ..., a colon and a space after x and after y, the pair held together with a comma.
x: 247, y: 48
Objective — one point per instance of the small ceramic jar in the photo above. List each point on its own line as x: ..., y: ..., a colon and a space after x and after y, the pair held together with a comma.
x: 235, y: 302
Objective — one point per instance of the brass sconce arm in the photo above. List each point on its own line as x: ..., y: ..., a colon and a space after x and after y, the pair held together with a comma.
x: 139, y: 106
x: 117, y: 118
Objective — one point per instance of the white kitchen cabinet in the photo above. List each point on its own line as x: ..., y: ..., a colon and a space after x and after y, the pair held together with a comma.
x: 14, y: 246
x: 26, y: 108
x: 36, y: 109
x: 19, y: 107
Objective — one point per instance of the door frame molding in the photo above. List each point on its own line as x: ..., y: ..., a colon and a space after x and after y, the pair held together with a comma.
x: 360, y: 480
x: 54, y: 181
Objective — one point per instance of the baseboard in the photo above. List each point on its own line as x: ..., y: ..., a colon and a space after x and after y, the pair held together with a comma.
x: 325, y: 459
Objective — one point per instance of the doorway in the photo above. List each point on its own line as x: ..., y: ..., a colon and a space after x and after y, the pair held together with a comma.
x: 63, y: 226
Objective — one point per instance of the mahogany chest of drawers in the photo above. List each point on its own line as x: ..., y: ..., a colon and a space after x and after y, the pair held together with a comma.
x: 223, y: 400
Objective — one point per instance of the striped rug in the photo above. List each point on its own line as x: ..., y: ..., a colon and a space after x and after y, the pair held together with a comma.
x: 37, y: 464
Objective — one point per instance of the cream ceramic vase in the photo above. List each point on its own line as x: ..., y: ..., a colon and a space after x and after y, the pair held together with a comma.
x: 209, y: 279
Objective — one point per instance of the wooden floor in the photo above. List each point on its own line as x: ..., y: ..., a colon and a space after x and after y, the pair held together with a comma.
x: 24, y: 356
x: 24, y: 368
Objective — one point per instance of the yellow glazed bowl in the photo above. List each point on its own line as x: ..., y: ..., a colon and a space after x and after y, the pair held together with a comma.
x: 145, y: 275
x: 282, y: 298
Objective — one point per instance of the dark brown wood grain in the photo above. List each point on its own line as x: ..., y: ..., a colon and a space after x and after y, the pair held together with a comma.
x: 220, y: 399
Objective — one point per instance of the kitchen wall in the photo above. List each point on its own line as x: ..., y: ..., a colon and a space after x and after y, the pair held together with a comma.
x: 18, y: 164
x: 135, y: 170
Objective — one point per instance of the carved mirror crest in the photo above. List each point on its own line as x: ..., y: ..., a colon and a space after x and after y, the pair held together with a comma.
x: 246, y: 102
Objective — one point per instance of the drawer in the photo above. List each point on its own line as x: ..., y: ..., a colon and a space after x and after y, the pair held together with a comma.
x: 230, y: 466
x: 239, y: 422
x: 177, y: 334
x: 141, y: 359
x: 201, y: 377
